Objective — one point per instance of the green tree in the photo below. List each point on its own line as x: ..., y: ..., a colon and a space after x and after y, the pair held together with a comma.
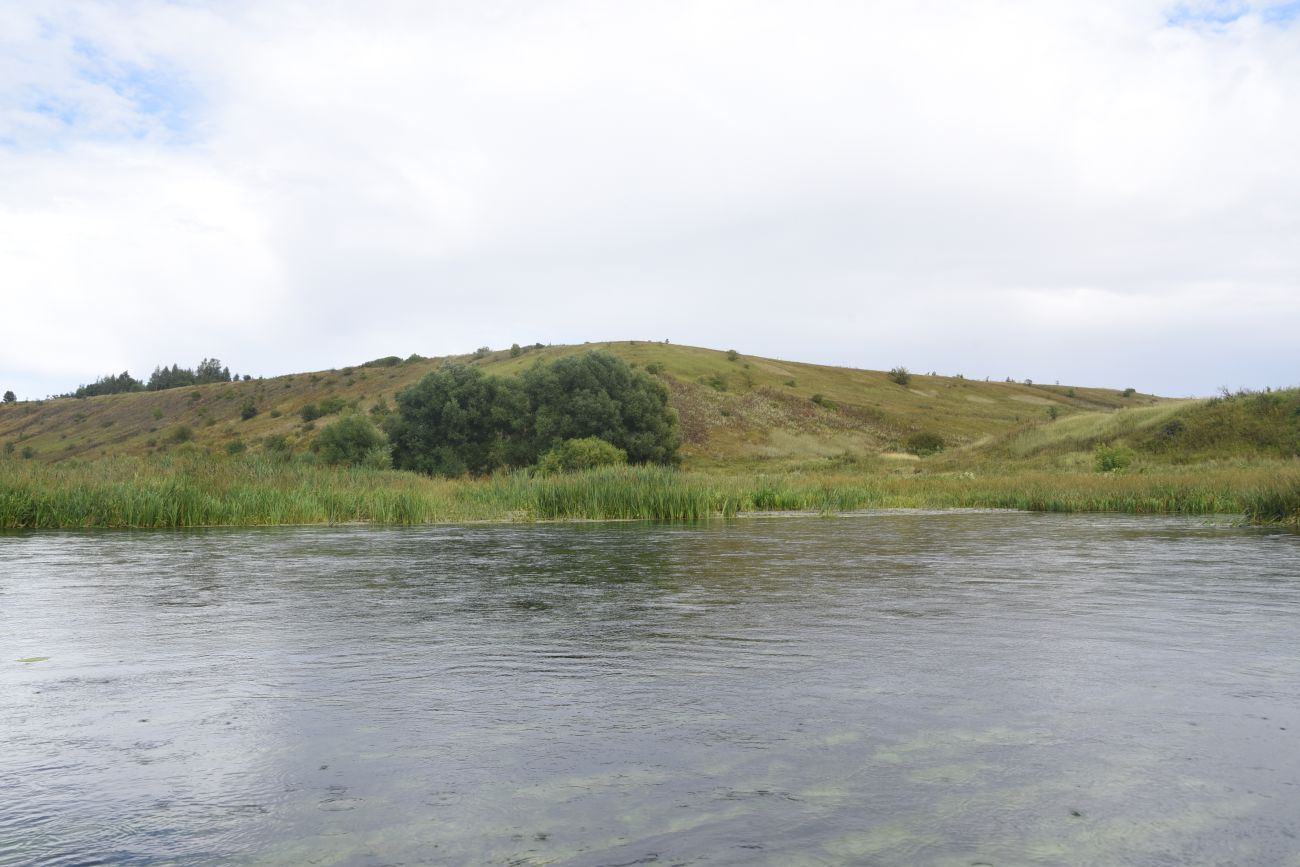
x: 10, y: 397
x: 597, y: 394
x: 900, y: 375
x: 353, y: 439
x: 111, y: 384
x: 457, y: 420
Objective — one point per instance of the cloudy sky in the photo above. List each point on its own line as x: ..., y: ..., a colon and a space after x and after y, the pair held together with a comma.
x: 1103, y: 192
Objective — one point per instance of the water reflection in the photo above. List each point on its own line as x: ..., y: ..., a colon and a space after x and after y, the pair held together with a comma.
x: 901, y: 688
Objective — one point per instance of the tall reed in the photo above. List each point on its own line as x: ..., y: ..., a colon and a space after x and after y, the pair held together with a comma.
x: 196, y: 490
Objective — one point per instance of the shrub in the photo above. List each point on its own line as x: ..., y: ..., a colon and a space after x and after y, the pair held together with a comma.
x: 28, y: 452
x: 310, y: 412
x: 248, y: 410
x: 925, y: 443
x: 733, y: 355
x: 823, y: 401
x: 1053, y: 412
x: 654, y: 368
x: 10, y: 397
x: 353, y: 439
x: 1111, y: 458
x: 180, y: 434
x: 1128, y: 392
x: 277, y: 445
x: 581, y: 454
x: 332, y: 405
x: 234, y: 447
x: 386, y: 361
x: 900, y: 375
x: 515, y: 351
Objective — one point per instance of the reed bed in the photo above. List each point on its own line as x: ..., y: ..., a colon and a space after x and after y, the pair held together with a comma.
x: 198, y: 491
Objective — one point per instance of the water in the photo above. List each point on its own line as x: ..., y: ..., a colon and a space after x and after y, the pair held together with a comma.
x: 950, y: 689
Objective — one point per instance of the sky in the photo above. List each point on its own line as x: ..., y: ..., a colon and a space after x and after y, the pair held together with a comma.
x: 1093, y: 193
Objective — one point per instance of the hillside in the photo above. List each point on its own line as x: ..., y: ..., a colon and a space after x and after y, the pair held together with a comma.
x: 734, y: 409
x: 1244, y: 426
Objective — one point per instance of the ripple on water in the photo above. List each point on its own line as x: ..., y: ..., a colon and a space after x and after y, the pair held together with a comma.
x: 888, y: 688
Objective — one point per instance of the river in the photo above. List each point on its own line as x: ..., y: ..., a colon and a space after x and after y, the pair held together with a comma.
x: 968, y: 688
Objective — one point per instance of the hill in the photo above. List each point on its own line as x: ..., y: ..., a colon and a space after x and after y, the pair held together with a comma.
x: 736, y: 410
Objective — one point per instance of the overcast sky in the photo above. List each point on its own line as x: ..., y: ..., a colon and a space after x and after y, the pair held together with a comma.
x: 1100, y: 192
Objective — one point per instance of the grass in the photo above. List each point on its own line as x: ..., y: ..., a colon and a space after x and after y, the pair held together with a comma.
x: 760, y: 435
x: 199, y: 491
x: 738, y: 412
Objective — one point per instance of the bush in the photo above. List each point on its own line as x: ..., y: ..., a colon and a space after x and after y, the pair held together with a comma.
x: 733, y: 355
x: 1111, y: 458
x: 277, y: 445
x: 823, y: 401
x: 386, y: 361
x: 180, y: 434
x: 925, y: 443
x: 1128, y: 392
x: 581, y: 454
x: 900, y: 375
x: 248, y: 410
x: 515, y: 351
x: 234, y: 447
x: 353, y: 439
x: 10, y: 397
x: 310, y: 412
x: 654, y: 368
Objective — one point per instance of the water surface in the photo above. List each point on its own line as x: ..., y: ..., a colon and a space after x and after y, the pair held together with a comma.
x: 902, y: 688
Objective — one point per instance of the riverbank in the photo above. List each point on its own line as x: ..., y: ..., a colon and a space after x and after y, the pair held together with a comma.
x: 202, y: 491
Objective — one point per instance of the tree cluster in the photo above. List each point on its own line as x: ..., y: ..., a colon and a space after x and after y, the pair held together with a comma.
x: 458, y: 420
x: 209, y: 370
x: 111, y: 384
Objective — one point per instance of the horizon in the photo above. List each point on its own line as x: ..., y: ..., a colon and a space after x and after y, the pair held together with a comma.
x: 1105, y: 195
x: 237, y: 373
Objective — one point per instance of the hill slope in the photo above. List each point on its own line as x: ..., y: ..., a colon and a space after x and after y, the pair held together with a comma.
x: 734, y: 409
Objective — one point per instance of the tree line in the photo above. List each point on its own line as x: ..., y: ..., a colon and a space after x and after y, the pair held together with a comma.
x: 208, y: 371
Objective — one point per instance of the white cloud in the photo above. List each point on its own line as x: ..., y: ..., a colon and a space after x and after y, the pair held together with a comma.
x: 1101, y: 193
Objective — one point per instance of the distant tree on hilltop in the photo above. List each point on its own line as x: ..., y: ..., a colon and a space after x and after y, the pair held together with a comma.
x: 10, y: 397
x: 112, y: 384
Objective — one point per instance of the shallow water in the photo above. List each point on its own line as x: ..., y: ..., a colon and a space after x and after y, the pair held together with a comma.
x: 953, y: 689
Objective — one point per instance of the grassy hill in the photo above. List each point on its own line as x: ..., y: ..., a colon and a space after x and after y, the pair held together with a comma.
x: 736, y: 410
x: 760, y: 434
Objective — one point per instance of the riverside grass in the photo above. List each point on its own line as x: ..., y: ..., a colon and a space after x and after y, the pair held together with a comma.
x: 206, y: 491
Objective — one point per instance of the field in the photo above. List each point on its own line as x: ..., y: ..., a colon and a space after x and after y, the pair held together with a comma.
x: 760, y: 435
